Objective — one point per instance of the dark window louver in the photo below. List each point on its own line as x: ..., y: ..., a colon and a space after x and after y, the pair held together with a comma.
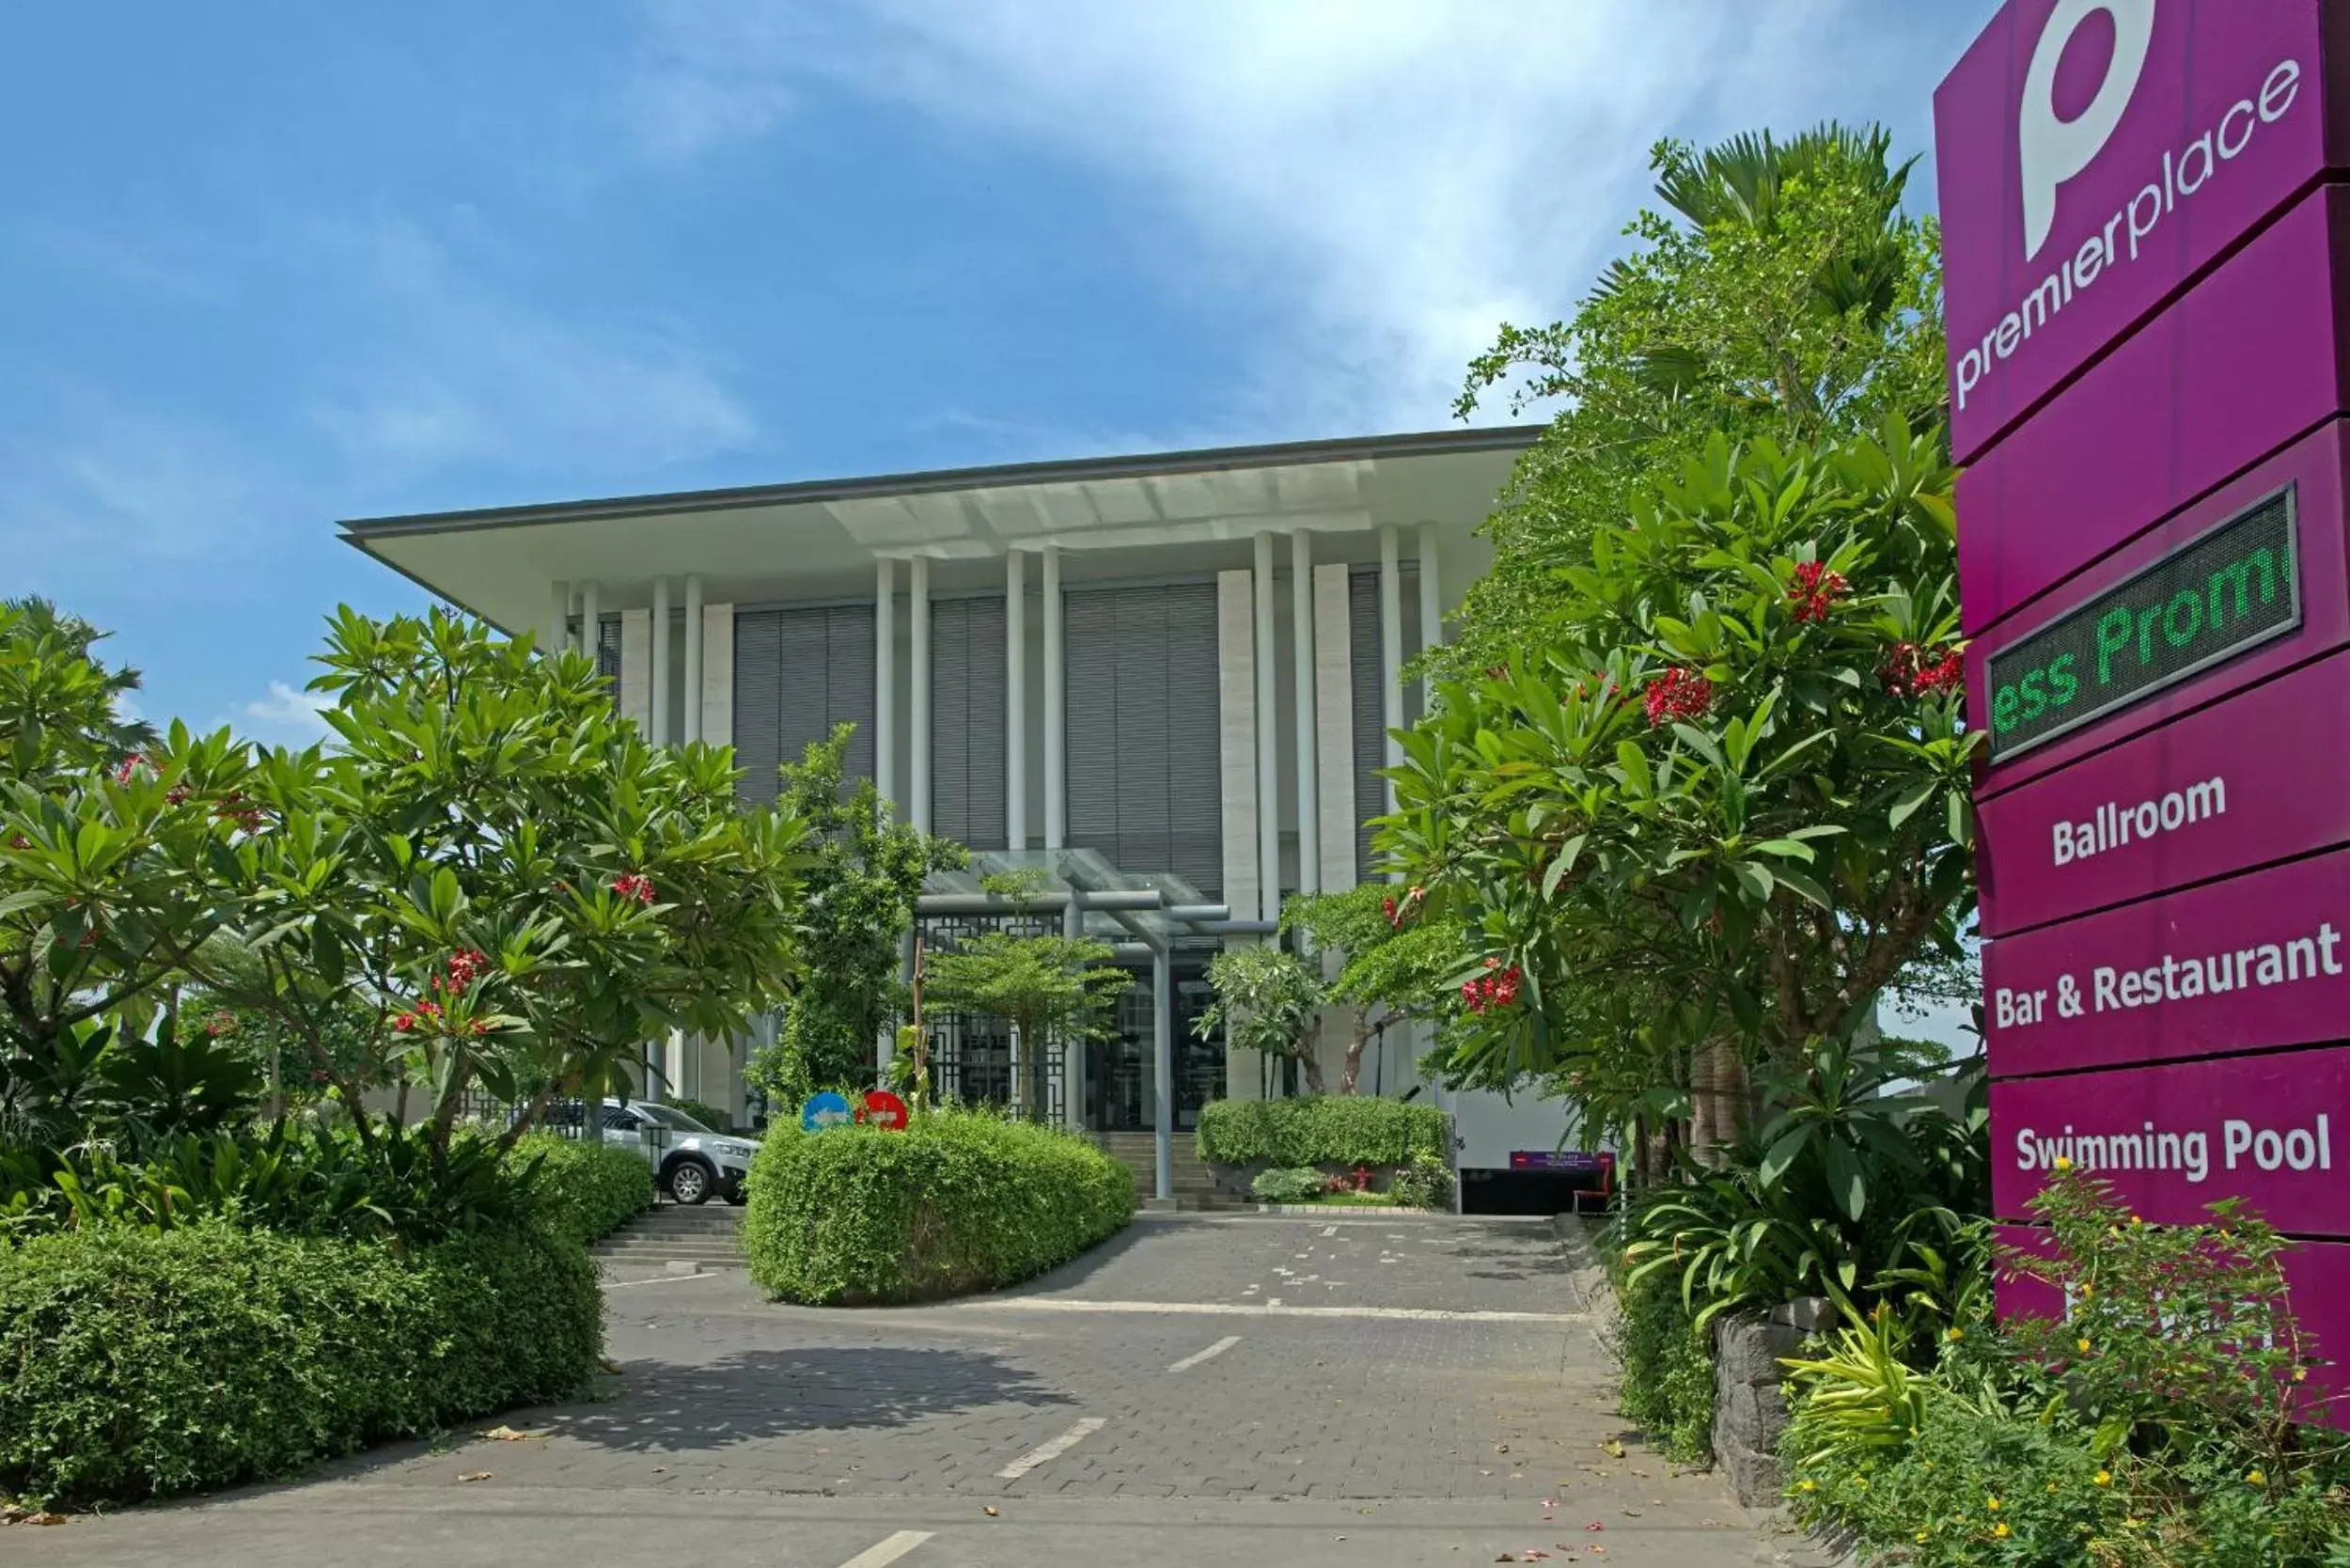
x: 967, y: 721
x: 1145, y: 775
x: 797, y: 673
x: 1370, y: 717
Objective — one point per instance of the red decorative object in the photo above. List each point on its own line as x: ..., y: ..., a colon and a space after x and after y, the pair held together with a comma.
x: 883, y: 1109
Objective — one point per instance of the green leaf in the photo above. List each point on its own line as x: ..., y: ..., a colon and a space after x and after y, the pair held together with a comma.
x: 1638, y: 780
x: 1562, y: 863
x: 1847, y: 1184
x: 1805, y: 888
x: 1786, y: 849
x: 1905, y: 804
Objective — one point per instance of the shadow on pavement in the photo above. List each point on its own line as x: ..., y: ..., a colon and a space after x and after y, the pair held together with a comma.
x: 778, y: 1393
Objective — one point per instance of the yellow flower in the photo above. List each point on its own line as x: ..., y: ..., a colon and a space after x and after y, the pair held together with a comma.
x: 2103, y: 1478
x: 2136, y: 1222
x: 1860, y: 1484
x: 2300, y: 1374
x: 2062, y: 1163
x: 1807, y: 1486
x: 2256, y: 1479
x: 1921, y: 1537
x: 2083, y: 1342
x: 1958, y: 1333
x: 2088, y: 1291
x: 2132, y: 1523
x: 2052, y: 1488
x: 1999, y: 1530
x: 1991, y: 1503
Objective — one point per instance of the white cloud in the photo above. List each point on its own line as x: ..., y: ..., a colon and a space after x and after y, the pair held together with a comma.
x: 1398, y: 176
x: 462, y: 374
x: 287, y: 716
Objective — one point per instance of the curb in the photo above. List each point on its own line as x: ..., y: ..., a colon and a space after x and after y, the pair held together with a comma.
x: 1367, y: 1211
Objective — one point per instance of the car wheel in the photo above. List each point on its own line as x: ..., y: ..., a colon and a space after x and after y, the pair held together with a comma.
x: 690, y: 1182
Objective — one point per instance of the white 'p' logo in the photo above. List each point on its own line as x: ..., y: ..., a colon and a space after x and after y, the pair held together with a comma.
x: 2052, y: 151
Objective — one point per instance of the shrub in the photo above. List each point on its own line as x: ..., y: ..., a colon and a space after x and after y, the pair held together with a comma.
x: 958, y: 1202
x: 1286, y: 1185
x: 1329, y: 1129
x: 586, y: 1190
x: 708, y: 1114
x: 136, y: 1365
x: 1424, y: 1183
x: 1667, y: 1386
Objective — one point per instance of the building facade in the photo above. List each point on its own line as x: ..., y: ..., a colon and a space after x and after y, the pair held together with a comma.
x: 1172, y: 674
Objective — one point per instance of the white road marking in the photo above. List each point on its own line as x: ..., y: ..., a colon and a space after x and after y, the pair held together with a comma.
x: 889, y: 1549
x: 1053, y: 1449
x: 1273, y: 1309
x: 1329, y: 1230
x: 1198, y: 1356
x: 657, y: 1280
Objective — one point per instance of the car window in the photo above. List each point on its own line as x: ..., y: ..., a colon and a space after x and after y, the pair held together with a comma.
x: 671, y: 1118
x: 621, y: 1119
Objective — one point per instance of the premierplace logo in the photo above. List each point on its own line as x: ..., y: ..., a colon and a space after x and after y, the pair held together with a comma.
x: 2051, y: 152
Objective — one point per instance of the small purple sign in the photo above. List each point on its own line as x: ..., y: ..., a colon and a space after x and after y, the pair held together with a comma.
x: 2317, y: 1276
x: 2173, y: 1139
x: 2093, y: 158
x: 2313, y: 468
x: 2241, y: 365
x: 2255, y: 961
x: 2239, y: 783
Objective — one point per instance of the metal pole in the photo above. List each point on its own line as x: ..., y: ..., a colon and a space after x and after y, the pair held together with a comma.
x: 1162, y: 1065
x: 886, y: 682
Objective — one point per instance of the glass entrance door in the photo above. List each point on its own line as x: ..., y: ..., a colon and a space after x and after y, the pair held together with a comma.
x: 1119, y: 1083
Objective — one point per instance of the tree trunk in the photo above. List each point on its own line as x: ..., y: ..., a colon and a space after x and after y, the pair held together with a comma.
x: 1350, y: 1075
x: 1718, y: 1100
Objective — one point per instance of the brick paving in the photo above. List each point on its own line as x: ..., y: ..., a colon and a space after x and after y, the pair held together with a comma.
x: 1393, y: 1403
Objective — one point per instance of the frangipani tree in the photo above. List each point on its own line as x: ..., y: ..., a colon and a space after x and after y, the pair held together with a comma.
x: 1269, y: 1001
x: 1729, y: 803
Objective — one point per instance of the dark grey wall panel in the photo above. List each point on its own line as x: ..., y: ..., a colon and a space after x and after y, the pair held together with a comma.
x: 1145, y: 781
x: 796, y: 674
x: 967, y: 721
x: 1370, y: 717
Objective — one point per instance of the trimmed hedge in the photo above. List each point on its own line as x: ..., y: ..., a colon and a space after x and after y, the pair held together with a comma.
x: 135, y: 1365
x: 587, y: 1189
x: 957, y: 1202
x: 1321, y: 1129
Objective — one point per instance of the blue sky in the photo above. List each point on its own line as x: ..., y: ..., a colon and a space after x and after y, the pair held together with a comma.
x: 269, y: 265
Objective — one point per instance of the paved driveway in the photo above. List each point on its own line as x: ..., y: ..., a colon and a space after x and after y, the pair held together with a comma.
x: 1365, y: 1392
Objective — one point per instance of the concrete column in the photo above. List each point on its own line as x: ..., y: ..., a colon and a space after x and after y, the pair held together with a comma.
x: 591, y: 618
x: 1016, y: 700
x: 1236, y: 740
x: 1055, y: 715
x: 555, y: 637
x: 1431, y: 610
x: 918, y: 607
x: 1268, y: 743
x: 694, y: 645
x: 716, y: 633
x: 1391, y: 652
x: 1333, y: 723
x: 885, y: 681
x: 1302, y: 676
x: 1162, y: 1068
x: 660, y: 661
x: 637, y: 669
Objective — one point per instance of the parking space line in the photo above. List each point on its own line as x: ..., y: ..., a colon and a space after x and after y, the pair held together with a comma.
x: 889, y: 1549
x: 1329, y: 1230
x: 1198, y: 1356
x: 656, y: 1280
x: 1053, y: 1449
x: 1273, y: 1309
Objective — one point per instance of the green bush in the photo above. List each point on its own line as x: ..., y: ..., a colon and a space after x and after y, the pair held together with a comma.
x: 1667, y: 1386
x: 587, y: 1189
x: 136, y: 1365
x: 708, y: 1114
x: 958, y: 1202
x: 1326, y: 1129
x: 1424, y: 1183
x: 1286, y: 1185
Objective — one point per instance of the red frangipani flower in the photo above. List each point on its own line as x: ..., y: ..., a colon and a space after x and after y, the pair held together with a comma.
x: 634, y: 885
x: 1815, y: 589
x: 1497, y: 988
x: 1677, y: 694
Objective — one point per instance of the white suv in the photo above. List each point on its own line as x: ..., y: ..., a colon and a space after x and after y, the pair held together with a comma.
x: 689, y: 1161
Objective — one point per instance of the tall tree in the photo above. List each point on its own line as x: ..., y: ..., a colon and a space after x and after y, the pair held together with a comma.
x: 1781, y: 291
x: 855, y: 906
x: 1398, y: 964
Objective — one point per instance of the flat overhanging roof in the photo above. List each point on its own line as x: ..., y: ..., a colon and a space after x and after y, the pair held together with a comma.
x: 1158, y: 514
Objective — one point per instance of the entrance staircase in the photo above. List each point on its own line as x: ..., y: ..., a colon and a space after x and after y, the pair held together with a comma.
x: 710, y: 1234
x: 1195, y: 1189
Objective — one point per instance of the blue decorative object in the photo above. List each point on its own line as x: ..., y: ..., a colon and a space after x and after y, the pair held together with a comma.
x: 823, y: 1109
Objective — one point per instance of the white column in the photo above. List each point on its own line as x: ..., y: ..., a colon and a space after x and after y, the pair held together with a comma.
x: 693, y: 657
x: 1016, y: 700
x: 1056, y: 720
x: 1268, y: 743
x: 553, y: 639
x: 1302, y: 676
x: 918, y: 606
x: 660, y: 710
x: 885, y: 681
x: 1334, y: 677
x: 1431, y: 610
x: 1236, y: 740
x: 591, y: 618
x: 717, y: 631
x: 1390, y: 651
x: 637, y: 669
